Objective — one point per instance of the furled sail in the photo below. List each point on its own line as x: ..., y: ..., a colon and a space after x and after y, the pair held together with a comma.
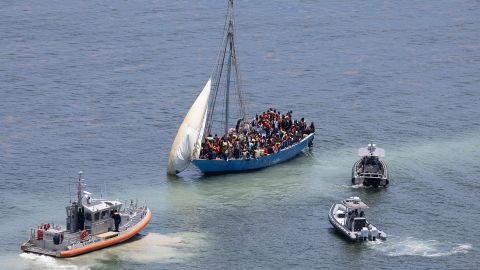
x: 187, y: 143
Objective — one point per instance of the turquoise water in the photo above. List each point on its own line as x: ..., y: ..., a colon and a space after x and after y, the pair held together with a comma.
x: 102, y: 87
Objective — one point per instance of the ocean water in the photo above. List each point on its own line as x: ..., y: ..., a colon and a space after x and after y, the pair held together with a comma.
x: 103, y: 86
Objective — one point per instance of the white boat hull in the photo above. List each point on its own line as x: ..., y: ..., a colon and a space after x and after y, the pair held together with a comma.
x: 354, y: 236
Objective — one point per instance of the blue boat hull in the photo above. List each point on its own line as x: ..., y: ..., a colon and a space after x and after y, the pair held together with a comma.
x: 218, y: 166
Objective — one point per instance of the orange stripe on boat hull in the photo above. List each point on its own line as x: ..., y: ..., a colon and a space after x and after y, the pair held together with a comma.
x: 109, y: 242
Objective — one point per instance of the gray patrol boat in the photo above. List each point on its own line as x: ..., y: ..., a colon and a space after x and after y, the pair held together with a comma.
x: 92, y: 224
x: 370, y: 170
x: 353, y: 225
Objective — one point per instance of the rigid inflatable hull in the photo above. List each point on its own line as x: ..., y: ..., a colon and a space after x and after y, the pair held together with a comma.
x: 339, y: 227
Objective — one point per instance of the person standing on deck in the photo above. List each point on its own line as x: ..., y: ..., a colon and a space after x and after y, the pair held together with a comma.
x: 117, y: 219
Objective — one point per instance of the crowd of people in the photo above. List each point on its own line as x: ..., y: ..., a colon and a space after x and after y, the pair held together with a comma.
x: 267, y: 133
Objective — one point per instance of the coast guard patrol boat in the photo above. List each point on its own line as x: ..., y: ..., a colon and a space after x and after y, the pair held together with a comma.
x: 90, y: 226
x: 370, y: 170
x: 353, y: 225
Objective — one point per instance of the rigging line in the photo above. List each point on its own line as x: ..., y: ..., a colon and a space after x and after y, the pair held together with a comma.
x: 236, y: 108
x: 216, y: 87
x: 238, y: 85
x: 223, y: 41
x: 222, y: 118
x: 219, y: 68
x: 228, y: 40
x: 215, y: 70
x: 217, y: 75
x: 228, y: 18
x: 241, y: 89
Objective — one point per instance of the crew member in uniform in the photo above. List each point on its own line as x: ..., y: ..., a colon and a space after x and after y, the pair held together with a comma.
x: 117, y: 219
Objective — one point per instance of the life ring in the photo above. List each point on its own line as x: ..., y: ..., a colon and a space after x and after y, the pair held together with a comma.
x: 40, y: 234
x: 83, y: 234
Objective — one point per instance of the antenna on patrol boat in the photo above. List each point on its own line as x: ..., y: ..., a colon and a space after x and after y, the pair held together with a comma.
x: 103, y: 190
x: 79, y: 186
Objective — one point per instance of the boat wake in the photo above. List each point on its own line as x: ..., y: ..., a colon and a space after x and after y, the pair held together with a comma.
x: 152, y: 247
x: 156, y: 247
x: 36, y: 261
x: 423, y: 248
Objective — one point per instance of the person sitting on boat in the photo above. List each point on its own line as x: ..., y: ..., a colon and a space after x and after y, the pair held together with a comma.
x: 270, y: 131
x: 245, y: 153
x: 270, y: 149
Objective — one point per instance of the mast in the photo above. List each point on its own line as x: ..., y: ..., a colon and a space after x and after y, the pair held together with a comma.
x: 227, y: 91
x: 230, y: 63
x: 236, y: 65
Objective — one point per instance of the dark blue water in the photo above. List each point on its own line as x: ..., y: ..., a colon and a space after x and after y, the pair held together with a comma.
x: 103, y: 86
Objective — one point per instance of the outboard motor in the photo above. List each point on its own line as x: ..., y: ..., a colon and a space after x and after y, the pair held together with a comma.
x: 364, y: 233
x: 373, y: 233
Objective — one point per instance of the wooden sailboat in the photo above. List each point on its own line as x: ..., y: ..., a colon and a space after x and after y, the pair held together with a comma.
x: 201, y: 118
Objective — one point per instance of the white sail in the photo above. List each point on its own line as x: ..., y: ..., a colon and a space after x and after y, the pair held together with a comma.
x: 187, y: 143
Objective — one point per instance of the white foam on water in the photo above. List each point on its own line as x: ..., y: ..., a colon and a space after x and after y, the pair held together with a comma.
x: 156, y: 247
x: 36, y: 261
x: 423, y: 248
x: 152, y: 248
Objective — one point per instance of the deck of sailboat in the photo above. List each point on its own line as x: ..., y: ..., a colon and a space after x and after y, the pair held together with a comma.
x: 220, y: 166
